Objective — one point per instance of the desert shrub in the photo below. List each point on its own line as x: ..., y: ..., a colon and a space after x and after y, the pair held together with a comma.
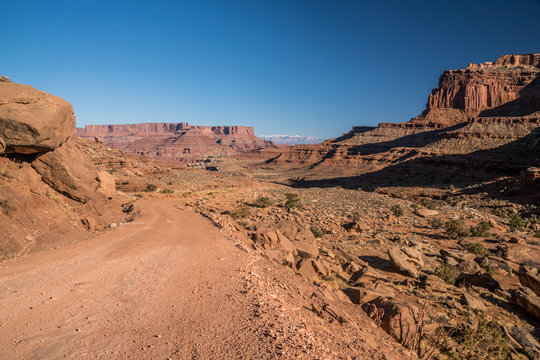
x: 516, y: 222
x: 452, y: 188
x: 482, y: 229
x: 446, y: 272
x: 397, y: 210
x: 414, y: 206
x: 169, y: 183
x: 487, y: 341
x: 242, y: 213
x: 456, y: 229
x: 316, y: 230
x: 150, y: 188
x: 166, y: 191
x: 477, y: 249
x: 262, y: 202
x: 428, y: 204
x: 537, y: 234
x: 500, y: 212
x: 436, y: 223
x: 292, y: 201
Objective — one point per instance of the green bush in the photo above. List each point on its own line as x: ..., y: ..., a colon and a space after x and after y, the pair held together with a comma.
x: 456, y: 229
x: 166, y: 191
x: 292, y: 201
x: 482, y: 229
x: 242, y: 213
x: 397, y: 210
x: 262, y: 202
x: 317, y: 231
x: 537, y: 234
x: 446, y: 272
x: 150, y: 188
x: 436, y: 223
x: 516, y: 222
x: 477, y: 249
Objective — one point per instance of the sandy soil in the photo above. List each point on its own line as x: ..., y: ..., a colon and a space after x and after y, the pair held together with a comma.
x: 168, y: 285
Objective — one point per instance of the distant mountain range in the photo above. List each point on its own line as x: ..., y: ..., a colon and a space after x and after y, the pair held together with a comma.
x: 291, y: 139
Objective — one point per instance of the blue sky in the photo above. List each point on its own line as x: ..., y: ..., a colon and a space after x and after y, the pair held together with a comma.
x: 306, y: 67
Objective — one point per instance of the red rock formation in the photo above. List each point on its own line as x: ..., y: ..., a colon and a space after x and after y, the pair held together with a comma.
x: 490, y: 85
x: 177, y: 141
x: 478, y: 108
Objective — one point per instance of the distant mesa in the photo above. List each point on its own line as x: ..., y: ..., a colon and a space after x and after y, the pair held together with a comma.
x: 291, y: 139
x: 177, y: 142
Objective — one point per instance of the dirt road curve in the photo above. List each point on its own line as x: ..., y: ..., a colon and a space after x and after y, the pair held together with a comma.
x: 171, y: 286
x: 164, y: 286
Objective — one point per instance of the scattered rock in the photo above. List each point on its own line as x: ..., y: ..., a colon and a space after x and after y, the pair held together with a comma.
x: 528, y: 276
x: 426, y: 212
x: 473, y: 302
x: 529, y: 344
x: 528, y: 300
x: 457, y: 255
x: 403, y: 262
x: 468, y: 267
x: 360, y: 295
x: 478, y: 279
x: 107, y: 185
x: 398, y: 319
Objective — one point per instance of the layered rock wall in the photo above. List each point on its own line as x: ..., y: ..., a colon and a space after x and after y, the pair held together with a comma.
x: 177, y: 142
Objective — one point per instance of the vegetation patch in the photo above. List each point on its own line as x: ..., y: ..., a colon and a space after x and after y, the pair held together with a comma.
x: 262, y: 202
x: 446, y: 272
x: 456, y: 229
x: 317, y: 231
x: 397, y: 210
x: 482, y: 229
x: 478, y: 249
x: 150, y: 188
x: 292, y: 201
x: 242, y: 213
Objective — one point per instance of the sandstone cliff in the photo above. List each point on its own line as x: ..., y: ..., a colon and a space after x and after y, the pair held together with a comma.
x: 178, y: 142
x: 476, y: 109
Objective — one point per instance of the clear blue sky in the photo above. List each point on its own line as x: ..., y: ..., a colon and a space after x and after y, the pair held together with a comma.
x: 306, y: 67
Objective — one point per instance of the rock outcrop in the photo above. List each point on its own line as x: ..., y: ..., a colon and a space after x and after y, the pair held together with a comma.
x: 475, y: 118
x: 177, y: 142
x: 68, y: 171
x: 32, y: 121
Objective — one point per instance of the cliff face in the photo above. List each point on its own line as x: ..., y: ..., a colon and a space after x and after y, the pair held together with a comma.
x: 474, y: 109
x: 490, y: 85
x: 178, y: 142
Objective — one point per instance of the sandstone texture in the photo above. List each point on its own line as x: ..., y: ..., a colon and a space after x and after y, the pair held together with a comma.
x: 32, y: 121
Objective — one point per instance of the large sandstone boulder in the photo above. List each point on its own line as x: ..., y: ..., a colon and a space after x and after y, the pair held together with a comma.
x: 398, y: 319
x: 302, y: 239
x: 32, y: 121
x: 529, y: 277
x: 69, y: 171
x: 405, y: 262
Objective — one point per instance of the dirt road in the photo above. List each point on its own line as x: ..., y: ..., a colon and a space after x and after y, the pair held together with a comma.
x: 155, y: 288
x: 167, y: 286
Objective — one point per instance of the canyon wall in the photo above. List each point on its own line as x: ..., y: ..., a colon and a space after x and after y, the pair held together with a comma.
x: 479, y: 108
x: 177, y: 142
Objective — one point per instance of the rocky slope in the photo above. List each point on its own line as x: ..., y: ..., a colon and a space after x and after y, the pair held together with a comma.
x: 177, y: 142
x: 472, y: 111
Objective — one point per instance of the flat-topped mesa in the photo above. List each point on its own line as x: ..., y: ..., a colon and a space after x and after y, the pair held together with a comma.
x: 490, y: 85
x: 159, y: 129
x: 177, y: 142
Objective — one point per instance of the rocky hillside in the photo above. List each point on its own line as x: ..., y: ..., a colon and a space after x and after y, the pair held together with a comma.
x: 177, y: 142
x: 473, y: 111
